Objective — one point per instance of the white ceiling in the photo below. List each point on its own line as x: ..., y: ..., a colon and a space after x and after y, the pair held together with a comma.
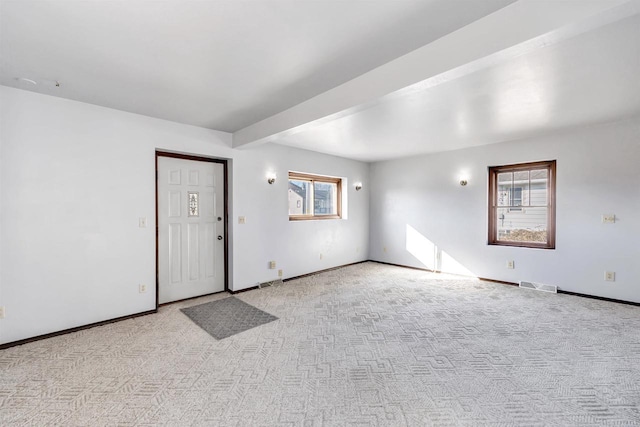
x: 591, y: 78
x: 218, y: 64
x: 303, y: 72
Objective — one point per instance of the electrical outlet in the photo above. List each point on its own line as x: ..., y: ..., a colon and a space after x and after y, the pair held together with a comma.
x: 384, y: 249
x: 610, y: 276
x: 142, y: 288
x: 608, y: 218
x: 320, y: 256
x: 242, y: 220
x: 142, y: 222
x: 279, y: 273
x: 2, y: 313
x: 272, y: 265
x: 511, y: 264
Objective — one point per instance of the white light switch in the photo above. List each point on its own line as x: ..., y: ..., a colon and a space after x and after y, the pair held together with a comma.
x: 272, y: 265
x: 608, y: 218
x: 142, y: 222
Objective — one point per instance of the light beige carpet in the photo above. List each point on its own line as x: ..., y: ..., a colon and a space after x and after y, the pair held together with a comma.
x: 364, y: 345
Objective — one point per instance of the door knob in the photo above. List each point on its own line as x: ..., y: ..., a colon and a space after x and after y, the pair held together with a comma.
x: 219, y: 218
x: 219, y: 237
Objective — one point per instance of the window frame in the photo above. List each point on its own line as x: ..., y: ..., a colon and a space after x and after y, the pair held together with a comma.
x: 550, y: 166
x: 300, y: 176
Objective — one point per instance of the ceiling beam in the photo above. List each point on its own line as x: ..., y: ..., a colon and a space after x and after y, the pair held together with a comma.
x: 509, y: 32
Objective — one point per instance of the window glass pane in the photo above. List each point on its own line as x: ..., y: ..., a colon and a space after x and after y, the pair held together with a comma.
x: 325, y: 198
x: 521, y: 177
x: 526, y: 224
x: 300, y: 197
x: 505, y: 181
x: 521, y: 186
x: 539, y: 184
x: 516, y: 199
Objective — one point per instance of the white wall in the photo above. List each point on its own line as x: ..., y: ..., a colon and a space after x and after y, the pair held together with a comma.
x: 75, y: 178
x: 417, y: 204
x: 268, y: 235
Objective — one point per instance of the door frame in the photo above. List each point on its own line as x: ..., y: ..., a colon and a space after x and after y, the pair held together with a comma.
x: 224, y: 162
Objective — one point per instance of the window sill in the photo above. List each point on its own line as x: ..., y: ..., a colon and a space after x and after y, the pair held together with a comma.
x: 523, y: 244
x: 312, y: 218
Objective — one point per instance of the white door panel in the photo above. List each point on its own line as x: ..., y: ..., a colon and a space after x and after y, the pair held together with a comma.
x: 190, y: 228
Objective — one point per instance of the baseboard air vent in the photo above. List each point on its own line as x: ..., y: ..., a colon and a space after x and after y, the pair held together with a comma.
x: 539, y: 287
x: 271, y: 283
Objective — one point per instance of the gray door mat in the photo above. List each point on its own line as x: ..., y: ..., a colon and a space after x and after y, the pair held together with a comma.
x: 226, y: 317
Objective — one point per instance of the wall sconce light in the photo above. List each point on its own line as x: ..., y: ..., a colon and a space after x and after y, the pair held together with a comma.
x: 358, y: 186
x: 271, y: 178
x: 463, y: 182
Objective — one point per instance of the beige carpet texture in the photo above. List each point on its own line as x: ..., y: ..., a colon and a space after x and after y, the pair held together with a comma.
x: 364, y: 345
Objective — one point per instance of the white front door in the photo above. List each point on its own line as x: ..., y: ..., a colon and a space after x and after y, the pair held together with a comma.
x: 191, y: 222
